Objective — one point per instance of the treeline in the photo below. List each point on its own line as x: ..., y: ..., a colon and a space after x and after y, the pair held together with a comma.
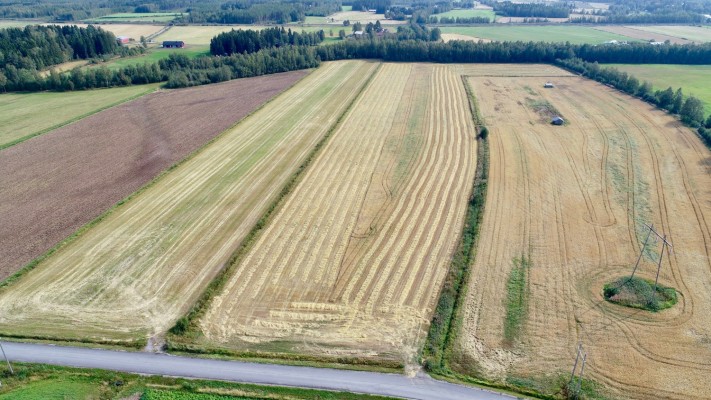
x: 380, y: 6
x: 260, y: 11
x: 25, y: 52
x: 541, y: 10
x: 458, y: 20
x: 673, y: 17
x: 75, y: 10
x: 250, y: 41
x: 689, y: 108
x: 652, y: 12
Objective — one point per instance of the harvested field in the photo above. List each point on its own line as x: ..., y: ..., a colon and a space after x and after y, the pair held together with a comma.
x: 571, y: 201
x: 642, y: 34
x: 137, y: 270
x: 57, y: 182
x: 196, y: 35
x: 361, y: 16
x: 543, y: 33
x: 698, y: 34
x: 352, y: 263
x: 448, y: 37
x: 23, y: 115
x: 545, y: 71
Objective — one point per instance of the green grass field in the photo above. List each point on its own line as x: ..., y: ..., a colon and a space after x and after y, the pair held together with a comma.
x: 572, y: 34
x: 13, y: 24
x: 156, y: 54
x: 46, y: 382
x: 467, y: 13
x: 23, y: 115
x: 137, y: 17
x: 692, y: 79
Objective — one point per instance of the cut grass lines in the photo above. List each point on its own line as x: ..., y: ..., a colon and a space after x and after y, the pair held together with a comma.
x: 352, y: 263
x: 137, y: 270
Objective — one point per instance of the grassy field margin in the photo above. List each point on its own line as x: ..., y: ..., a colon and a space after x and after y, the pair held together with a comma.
x: 79, y: 232
x: 186, y: 328
x: 75, y: 119
x: 48, y: 381
x: 445, y: 323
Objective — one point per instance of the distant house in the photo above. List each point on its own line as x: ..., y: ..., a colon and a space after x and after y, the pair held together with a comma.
x: 557, y: 121
x: 170, y: 44
x: 548, y: 85
x: 123, y: 39
x: 358, y: 33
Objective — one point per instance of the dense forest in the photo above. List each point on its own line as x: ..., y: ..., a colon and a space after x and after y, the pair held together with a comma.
x: 651, y: 12
x: 540, y: 10
x: 24, y: 52
x: 249, y: 41
x: 259, y: 11
x: 75, y: 10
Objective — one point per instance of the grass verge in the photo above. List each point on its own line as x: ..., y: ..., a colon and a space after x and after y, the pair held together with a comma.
x: 445, y: 323
x: 186, y: 326
x: 639, y: 293
x: 516, y: 300
x: 40, y: 381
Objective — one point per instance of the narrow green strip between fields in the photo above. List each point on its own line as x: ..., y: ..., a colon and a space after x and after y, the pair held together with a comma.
x: 186, y: 327
x: 446, y: 320
x: 75, y: 119
x: 516, y: 300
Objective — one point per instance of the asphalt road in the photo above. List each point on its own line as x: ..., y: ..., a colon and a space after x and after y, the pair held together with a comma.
x: 419, y: 387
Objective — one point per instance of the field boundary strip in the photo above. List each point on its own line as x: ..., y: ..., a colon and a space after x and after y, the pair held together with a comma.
x: 77, y: 118
x: 81, y: 230
x: 185, y: 327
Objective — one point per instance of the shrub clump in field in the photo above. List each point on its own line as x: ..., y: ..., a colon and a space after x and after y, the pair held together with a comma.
x: 639, y: 293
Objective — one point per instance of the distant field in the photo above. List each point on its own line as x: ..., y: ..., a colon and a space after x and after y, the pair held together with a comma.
x: 13, y: 24
x: 363, y: 17
x: 136, y: 271
x: 698, y: 34
x: 27, y: 114
x: 573, y: 34
x: 155, y: 54
x: 137, y: 17
x: 693, y: 79
x: 352, y: 263
x: 196, y: 35
x: 641, y: 34
x: 467, y: 13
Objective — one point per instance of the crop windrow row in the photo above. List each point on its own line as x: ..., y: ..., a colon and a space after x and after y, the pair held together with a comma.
x: 186, y: 325
x: 445, y: 322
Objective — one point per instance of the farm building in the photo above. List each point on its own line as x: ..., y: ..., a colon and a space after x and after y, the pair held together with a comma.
x: 169, y: 44
x: 548, y: 85
x: 123, y: 39
x: 557, y: 120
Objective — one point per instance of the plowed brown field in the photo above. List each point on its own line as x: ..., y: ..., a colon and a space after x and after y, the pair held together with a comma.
x: 57, y: 182
x: 135, y: 272
x: 353, y: 261
x: 572, y: 199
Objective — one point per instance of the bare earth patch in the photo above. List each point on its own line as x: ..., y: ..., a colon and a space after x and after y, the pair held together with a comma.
x: 57, y: 182
x: 641, y: 34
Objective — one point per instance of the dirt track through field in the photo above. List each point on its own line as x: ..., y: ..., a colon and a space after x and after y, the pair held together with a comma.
x: 135, y: 272
x: 353, y: 262
x: 55, y: 183
x: 572, y: 199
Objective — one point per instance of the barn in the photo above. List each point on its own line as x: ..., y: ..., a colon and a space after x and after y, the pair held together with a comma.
x: 173, y: 44
x: 123, y: 39
x: 557, y: 120
x: 548, y: 85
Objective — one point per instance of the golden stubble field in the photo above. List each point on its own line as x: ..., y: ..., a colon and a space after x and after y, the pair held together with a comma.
x: 352, y: 263
x: 572, y: 200
x: 134, y: 273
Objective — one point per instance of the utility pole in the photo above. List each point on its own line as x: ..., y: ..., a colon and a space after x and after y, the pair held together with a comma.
x: 661, y: 255
x: 6, y: 360
x: 574, y: 393
x: 644, y: 246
